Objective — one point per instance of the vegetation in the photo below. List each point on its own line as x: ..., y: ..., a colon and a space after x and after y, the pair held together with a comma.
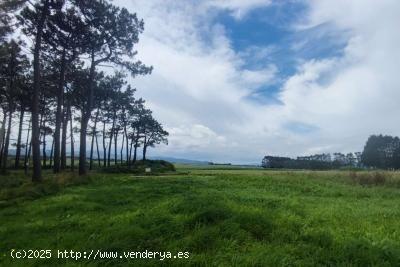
x: 380, y: 152
x: 63, y: 90
x: 315, y: 162
x: 154, y: 167
x: 54, y: 87
x: 222, y: 217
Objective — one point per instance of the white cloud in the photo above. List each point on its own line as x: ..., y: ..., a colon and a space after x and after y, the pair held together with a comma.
x: 238, y: 8
x: 199, y: 89
x: 355, y: 95
x: 196, y: 137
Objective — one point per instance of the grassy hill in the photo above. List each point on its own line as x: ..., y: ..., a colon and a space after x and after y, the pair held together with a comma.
x: 221, y: 217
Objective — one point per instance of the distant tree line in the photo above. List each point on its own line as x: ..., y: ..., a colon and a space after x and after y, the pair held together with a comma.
x: 380, y: 152
x: 53, y: 86
x: 317, y: 162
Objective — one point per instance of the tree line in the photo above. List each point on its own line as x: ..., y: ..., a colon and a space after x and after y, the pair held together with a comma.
x: 380, y: 152
x: 324, y: 161
x: 53, y: 87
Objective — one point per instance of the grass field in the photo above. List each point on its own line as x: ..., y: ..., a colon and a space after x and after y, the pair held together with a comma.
x: 222, y: 217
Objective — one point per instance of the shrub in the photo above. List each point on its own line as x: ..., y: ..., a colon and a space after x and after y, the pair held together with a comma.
x: 139, y: 167
x: 155, y: 165
x: 118, y: 169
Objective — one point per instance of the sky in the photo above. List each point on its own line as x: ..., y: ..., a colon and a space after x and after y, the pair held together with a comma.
x: 236, y: 80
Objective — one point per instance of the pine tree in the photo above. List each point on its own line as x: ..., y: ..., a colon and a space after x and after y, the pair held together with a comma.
x: 110, y: 36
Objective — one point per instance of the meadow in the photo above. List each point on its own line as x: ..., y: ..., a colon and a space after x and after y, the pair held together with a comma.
x: 221, y: 216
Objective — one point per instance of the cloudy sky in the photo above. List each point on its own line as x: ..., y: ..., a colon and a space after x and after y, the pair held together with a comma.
x: 235, y: 80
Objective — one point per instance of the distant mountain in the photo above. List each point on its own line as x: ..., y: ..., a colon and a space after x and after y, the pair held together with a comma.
x: 182, y: 161
x: 12, y: 152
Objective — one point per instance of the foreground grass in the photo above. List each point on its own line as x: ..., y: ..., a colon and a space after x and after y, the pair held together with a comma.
x: 222, y: 217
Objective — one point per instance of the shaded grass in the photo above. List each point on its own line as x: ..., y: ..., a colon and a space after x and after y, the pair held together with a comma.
x: 16, y: 187
x: 222, y: 217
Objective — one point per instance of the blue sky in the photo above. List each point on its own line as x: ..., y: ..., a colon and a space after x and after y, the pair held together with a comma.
x: 265, y: 28
x: 234, y: 80
x: 271, y: 27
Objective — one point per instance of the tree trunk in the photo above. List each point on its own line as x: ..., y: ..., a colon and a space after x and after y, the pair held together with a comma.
x: 3, y: 135
x: 115, y: 147
x: 37, y: 168
x: 82, y: 147
x: 44, y: 148
x: 6, y: 144
x: 29, y: 157
x: 126, y: 144
x: 60, y: 100
x: 136, y: 145
x: 104, y: 145
x: 92, y: 143
x: 18, y: 152
x: 135, y: 151
x: 26, y: 149
x: 130, y: 153
x: 144, y: 151
x: 111, y: 138
x: 52, y: 152
x: 72, y: 140
x: 122, y: 149
x: 85, y: 119
x: 109, y: 150
x: 64, y: 139
x: 98, y: 152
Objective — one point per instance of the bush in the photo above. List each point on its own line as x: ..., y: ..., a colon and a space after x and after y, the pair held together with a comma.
x: 156, y: 166
x: 118, y: 169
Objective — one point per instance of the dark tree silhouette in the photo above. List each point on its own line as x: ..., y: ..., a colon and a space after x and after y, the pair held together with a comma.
x: 62, y: 91
x: 380, y: 151
x: 12, y: 70
x: 153, y: 133
x: 34, y: 21
x: 110, y: 35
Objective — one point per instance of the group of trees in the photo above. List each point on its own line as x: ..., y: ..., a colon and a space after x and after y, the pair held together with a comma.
x: 382, y: 151
x: 54, y: 84
x: 339, y: 159
x: 314, y: 162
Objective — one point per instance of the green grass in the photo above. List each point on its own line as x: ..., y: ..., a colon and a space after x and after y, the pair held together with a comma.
x: 222, y: 217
